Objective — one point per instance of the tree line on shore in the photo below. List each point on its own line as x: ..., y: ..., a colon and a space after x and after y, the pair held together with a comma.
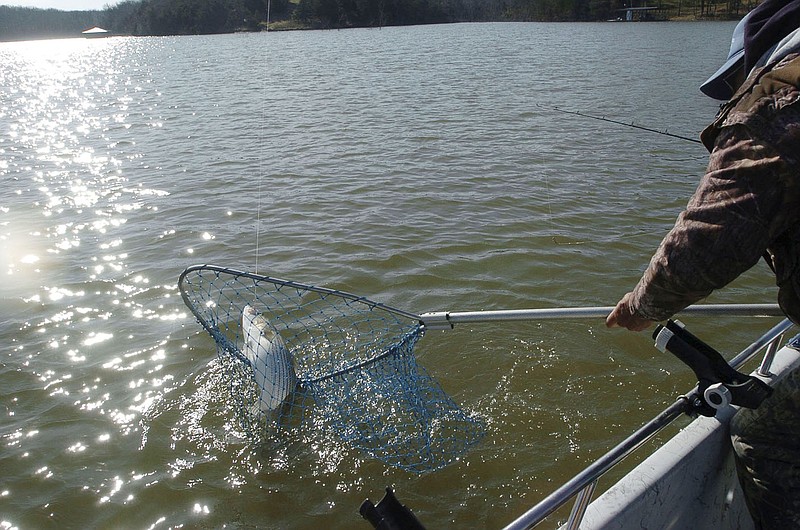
x: 191, y: 17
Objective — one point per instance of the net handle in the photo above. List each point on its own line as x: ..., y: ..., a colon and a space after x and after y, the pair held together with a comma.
x: 447, y: 320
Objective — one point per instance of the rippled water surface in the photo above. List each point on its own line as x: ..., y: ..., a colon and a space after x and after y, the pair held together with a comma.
x: 422, y: 167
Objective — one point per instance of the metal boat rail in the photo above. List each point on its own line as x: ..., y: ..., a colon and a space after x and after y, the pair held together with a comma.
x: 582, y: 485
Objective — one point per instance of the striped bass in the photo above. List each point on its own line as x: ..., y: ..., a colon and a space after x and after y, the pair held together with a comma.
x: 272, y: 364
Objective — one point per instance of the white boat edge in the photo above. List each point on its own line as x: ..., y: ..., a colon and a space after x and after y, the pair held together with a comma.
x: 689, y: 482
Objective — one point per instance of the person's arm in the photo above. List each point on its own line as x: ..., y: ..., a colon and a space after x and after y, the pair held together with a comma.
x: 725, y: 229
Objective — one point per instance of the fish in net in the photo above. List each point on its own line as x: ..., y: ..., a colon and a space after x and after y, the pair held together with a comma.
x: 294, y: 352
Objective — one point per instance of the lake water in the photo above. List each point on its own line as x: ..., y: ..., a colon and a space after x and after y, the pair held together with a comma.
x: 422, y: 167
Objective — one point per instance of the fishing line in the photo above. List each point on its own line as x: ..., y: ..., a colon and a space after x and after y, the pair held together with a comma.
x: 261, y: 135
x: 550, y: 215
x: 625, y: 124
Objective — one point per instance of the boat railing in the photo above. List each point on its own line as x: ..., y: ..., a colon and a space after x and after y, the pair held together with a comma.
x: 583, y: 485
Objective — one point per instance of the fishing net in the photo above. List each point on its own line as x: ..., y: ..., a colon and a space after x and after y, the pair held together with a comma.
x: 303, y: 357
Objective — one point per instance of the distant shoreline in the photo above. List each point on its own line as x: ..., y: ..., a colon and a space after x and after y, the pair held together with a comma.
x: 290, y: 25
x: 214, y: 17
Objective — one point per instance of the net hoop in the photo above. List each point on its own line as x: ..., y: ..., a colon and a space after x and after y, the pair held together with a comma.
x: 258, y: 278
x: 350, y: 369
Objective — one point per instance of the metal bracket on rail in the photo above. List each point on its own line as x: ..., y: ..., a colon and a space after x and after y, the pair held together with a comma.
x: 719, y: 384
x: 440, y: 320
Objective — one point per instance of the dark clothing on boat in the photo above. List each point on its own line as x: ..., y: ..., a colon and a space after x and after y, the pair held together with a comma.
x: 767, y: 451
x: 746, y: 206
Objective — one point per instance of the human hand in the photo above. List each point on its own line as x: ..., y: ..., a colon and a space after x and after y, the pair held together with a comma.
x: 623, y: 316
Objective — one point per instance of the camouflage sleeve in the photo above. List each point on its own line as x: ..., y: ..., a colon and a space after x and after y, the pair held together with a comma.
x: 724, y: 230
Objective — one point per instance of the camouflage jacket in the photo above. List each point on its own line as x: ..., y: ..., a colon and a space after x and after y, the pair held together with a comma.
x: 746, y: 206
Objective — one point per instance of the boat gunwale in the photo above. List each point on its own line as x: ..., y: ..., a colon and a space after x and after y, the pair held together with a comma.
x: 587, y: 479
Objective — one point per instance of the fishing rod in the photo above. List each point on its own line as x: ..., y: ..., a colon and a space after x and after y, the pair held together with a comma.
x: 609, y: 120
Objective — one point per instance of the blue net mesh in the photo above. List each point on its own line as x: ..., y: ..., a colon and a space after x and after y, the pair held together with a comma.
x: 296, y: 352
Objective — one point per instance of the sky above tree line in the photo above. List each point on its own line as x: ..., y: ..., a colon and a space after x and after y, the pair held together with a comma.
x: 64, y: 5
